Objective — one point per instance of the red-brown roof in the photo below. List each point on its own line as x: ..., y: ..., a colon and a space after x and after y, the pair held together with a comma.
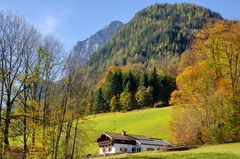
x: 129, y: 137
x: 124, y: 137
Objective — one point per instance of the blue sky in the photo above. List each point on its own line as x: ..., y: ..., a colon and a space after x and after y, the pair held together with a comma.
x: 74, y: 20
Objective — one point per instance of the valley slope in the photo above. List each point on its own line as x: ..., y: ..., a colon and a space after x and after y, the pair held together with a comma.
x: 149, y: 122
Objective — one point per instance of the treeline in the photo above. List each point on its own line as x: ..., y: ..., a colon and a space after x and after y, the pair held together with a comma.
x: 37, y: 107
x: 129, y: 91
x: 154, y: 32
x: 208, y: 95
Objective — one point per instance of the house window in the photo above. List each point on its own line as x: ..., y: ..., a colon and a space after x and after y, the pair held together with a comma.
x: 109, y: 149
x: 133, y: 149
x: 103, y: 149
x: 123, y: 149
x: 150, y: 149
x: 138, y: 149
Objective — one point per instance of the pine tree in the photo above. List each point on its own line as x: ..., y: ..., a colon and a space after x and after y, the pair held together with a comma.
x: 143, y: 81
x: 167, y: 86
x: 149, y: 96
x: 100, y: 105
x: 130, y: 83
x: 109, y: 90
x: 119, y: 82
x: 154, y: 83
x: 113, y: 85
x: 129, y: 87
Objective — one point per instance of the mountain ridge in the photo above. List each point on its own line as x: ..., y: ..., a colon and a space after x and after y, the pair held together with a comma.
x: 153, y: 32
x: 83, y: 49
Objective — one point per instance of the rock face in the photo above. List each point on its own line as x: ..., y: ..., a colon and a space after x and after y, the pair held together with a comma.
x: 83, y: 49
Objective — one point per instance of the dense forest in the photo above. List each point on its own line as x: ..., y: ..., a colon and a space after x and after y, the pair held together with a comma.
x: 154, y: 32
x: 125, y: 90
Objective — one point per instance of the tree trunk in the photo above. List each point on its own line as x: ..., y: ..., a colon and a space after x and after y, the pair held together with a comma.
x: 67, y: 138
x: 25, y: 124
x: 1, y: 102
x: 74, y: 139
x: 61, y: 126
x: 7, y: 122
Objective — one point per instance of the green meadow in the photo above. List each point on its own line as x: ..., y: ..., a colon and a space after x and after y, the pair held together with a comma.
x: 224, y: 151
x: 152, y: 122
x: 149, y: 122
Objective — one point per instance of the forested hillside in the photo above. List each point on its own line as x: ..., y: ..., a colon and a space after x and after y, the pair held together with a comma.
x: 153, y: 32
x: 151, y: 42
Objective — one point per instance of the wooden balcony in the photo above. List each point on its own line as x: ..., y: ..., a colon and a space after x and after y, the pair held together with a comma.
x: 105, y: 143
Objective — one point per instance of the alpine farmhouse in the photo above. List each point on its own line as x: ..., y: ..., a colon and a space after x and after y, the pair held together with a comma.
x: 110, y: 143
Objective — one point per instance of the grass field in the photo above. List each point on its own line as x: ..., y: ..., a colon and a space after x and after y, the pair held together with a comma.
x: 149, y: 122
x: 224, y: 151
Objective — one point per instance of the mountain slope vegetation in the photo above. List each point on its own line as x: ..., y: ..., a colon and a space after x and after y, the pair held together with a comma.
x: 151, y: 41
x: 154, y: 32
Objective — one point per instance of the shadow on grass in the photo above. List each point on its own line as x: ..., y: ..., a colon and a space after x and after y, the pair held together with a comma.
x: 187, y: 156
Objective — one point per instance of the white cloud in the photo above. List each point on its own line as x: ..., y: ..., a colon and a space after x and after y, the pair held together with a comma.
x: 49, y: 24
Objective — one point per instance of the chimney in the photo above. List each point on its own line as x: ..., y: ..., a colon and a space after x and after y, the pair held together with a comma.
x: 123, y: 132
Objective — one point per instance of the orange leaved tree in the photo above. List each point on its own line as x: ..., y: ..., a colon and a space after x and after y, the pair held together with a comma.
x: 208, y: 96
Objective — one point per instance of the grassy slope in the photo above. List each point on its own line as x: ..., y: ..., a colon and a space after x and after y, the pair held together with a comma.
x: 149, y: 122
x: 224, y: 151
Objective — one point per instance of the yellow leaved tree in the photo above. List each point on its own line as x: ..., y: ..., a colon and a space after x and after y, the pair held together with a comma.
x: 208, y: 96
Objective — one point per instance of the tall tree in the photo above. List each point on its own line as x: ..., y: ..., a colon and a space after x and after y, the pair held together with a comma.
x: 52, y: 50
x: 113, y: 84
x: 100, y: 105
x: 144, y: 80
x: 154, y: 83
x: 18, y: 40
x: 167, y: 86
x: 130, y: 83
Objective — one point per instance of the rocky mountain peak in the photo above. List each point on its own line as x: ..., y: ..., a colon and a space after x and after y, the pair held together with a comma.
x: 83, y: 49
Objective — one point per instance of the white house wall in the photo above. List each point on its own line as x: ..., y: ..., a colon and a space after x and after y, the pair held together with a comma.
x: 115, y: 148
x: 118, y: 146
x: 107, y: 150
x: 145, y: 147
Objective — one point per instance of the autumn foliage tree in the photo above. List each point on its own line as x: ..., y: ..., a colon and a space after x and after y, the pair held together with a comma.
x: 114, y: 104
x: 37, y: 106
x: 208, y: 95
